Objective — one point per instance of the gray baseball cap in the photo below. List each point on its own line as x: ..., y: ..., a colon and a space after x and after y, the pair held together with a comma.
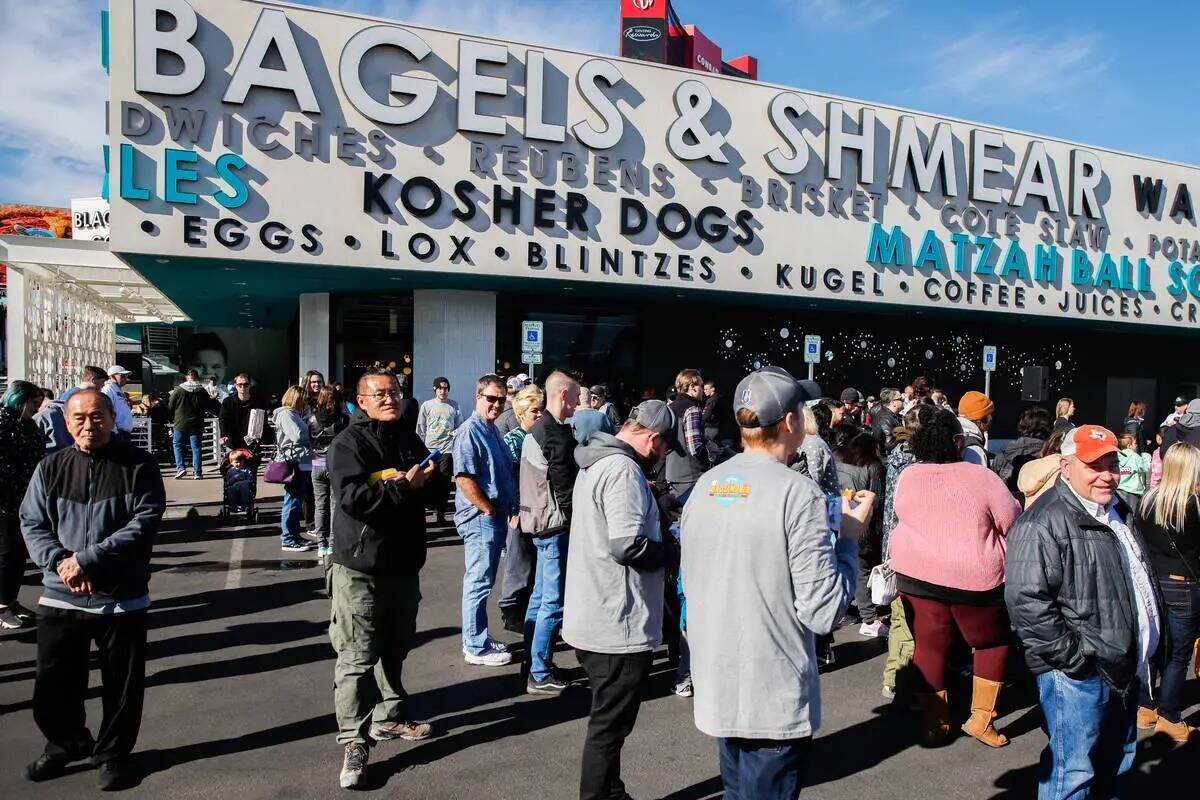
x: 770, y: 393
x: 655, y: 415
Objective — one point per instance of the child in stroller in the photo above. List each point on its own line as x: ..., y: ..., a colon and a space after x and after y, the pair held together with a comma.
x: 239, y: 479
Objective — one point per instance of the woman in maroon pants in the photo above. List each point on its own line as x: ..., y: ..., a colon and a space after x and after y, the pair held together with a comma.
x: 948, y: 553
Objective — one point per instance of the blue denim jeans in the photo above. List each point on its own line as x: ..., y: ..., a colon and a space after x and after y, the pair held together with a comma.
x: 763, y: 769
x: 177, y: 438
x: 1092, y: 737
x: 483, y: 541
x: 1182, y: 620
x: 543, y: 619
x: 293, y: 501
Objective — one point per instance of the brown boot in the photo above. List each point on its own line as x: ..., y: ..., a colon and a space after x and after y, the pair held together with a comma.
x: 1179, y: 731
x: 1146, y: 718
x: 935, y: 715
x: 983, y: 710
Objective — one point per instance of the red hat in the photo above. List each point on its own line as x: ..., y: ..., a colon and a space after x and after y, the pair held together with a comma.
x: 1089, y: 443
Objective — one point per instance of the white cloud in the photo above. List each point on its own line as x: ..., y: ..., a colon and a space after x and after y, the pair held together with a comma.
x: 51, y: 101
x: 998, y: 64
x: 840, y: 13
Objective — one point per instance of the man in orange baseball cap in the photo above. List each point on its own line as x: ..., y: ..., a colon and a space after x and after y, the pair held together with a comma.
x: 1081, y: 598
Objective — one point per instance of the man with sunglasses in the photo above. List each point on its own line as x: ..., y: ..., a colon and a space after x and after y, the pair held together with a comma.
x: 382, y: 490
x: 235, y: 412
x: 484, y: 507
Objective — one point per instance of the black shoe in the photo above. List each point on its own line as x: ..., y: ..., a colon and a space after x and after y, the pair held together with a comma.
x: 46, y: 767
x: 551, y: 685
x: 22, y: 612
x: 10, y: 620
x: 116, y: 774
x: 514, y: 619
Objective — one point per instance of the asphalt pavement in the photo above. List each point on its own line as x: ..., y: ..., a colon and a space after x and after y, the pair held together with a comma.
x: 239, y: 699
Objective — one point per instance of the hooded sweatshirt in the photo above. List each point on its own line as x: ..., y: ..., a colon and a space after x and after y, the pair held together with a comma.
x: 1186, y: 427
x: 976, y: 450
x: 188, y: 402
x: 614, y: 596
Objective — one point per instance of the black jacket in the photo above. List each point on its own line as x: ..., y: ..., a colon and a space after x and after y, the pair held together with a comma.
x: 106, y: 508
x: 1068, y: 592
x: 323, y: 428
x: 188, y: 402
x: 557, y: 441
x: 883, y: 422
x: 1016, y: 454
x: 378, y: 526
x: 1185, y: 429
x: 235, y: 418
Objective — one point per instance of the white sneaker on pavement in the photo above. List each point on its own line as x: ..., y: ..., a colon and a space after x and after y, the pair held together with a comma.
x: 492, y: 644
x: 490, y: 657
x: 873, y: 630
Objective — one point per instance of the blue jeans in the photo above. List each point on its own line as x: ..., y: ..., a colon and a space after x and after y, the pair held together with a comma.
x: 763, y: 769
x: 1092, y: 737
x: 1182, y: 620
x: 543, y: 618
x: 293, y: 501
x: 193, y: 443
x: 483, y: 541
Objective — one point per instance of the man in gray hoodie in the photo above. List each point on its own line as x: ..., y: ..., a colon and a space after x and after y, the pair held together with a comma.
x: 757, y: 543
x: 614, y: 598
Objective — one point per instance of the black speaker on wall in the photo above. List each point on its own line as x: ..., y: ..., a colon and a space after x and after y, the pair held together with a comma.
x: 1035, y: 384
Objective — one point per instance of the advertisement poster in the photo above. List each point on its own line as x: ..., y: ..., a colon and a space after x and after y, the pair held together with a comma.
x: 25, y: 220
x: 222, y: 353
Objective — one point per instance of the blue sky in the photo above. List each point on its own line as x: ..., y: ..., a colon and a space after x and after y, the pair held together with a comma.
x: 1113, y: 74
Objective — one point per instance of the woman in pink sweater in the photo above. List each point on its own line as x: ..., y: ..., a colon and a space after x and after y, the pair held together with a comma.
x: 948, y: 551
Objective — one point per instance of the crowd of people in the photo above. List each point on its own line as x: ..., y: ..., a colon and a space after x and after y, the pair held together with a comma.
x: 1067, y: 556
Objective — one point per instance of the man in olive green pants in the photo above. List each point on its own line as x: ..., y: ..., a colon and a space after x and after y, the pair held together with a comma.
x: 900, y: 648
x: 380, y: 489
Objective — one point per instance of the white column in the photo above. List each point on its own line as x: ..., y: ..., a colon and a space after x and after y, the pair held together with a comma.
x: 14, y: 327
x: 314, y: 334
x: 454, y: 335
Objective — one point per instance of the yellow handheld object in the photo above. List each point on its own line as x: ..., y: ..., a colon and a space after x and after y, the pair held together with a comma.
x: 375, y: 477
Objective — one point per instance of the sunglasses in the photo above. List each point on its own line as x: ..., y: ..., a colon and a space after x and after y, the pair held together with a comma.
x: 493, y: 398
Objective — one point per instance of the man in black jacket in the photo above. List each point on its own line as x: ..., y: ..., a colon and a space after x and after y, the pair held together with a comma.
x: 378, y: 552
x: 235, y: 411
x: 1082, y: 600
x: 886, y: 417
x: 89, y: 518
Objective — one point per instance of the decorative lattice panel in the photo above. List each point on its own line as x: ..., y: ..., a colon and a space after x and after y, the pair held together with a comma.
x: 65, y: 330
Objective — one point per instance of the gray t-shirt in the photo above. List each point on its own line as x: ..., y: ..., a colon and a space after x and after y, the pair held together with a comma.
x: 436, y: 421
x: 762, y: 575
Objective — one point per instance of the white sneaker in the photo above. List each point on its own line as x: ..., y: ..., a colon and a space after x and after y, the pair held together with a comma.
x: 354, y: 766
x: 490, y: 657
x: 492, y: 644
x: 874, y: 630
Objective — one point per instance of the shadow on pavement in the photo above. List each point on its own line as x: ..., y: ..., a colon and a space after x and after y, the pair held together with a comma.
x: 709, y: 789
x: 161, y: 760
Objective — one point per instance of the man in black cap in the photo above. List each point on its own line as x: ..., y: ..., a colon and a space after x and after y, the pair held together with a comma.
x: 852, y: 399
x: 1181, y: 404
x: 761, y: 699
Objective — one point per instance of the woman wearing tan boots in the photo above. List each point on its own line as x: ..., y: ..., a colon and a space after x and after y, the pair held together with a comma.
x: 948, y: 551
x: 1169, y: 523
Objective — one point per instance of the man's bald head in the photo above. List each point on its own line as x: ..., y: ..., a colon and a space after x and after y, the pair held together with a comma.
x: 90, y: 419
x: 562, y: 395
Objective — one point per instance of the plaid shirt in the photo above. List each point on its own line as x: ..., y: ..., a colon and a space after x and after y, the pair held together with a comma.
x: 693, y: 430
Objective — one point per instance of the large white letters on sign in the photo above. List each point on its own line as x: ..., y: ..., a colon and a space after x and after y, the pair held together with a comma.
x: 925, y: 167
x: 423, y: 90
x: 693, y: 100
x: 1035, y: 178
x: 149, y: 42
x: 1086, y: 175
x: 614, y: 123
x: 536, y: 126
x: 983, y: 164
x: 780, y: 105
x: 272, y: 27
x: 838, y: 139
x: 471, y: 84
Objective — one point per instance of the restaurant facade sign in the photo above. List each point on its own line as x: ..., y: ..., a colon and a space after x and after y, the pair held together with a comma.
x: 264, y: 131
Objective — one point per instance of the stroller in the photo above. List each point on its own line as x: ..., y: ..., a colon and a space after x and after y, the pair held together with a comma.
x: 239, y: 483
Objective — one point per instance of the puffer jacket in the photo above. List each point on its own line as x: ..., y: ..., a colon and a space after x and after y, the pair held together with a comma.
x: 379, y: 526
x: 1068, y: 593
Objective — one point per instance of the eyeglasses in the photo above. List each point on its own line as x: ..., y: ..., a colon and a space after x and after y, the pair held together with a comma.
x: 493, y: 398
x: 379, y: 397
x: 242, y: 385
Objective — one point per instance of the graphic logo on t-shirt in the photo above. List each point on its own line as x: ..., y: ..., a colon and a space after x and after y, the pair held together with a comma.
x: 729, y: 490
